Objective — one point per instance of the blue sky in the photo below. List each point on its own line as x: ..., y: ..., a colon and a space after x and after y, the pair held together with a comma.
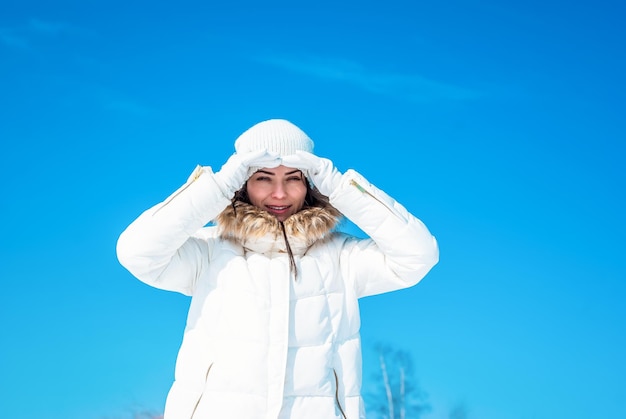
x: 500, y: 124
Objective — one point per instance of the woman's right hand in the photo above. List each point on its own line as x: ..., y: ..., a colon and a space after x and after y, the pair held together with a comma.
x: 235, y: 171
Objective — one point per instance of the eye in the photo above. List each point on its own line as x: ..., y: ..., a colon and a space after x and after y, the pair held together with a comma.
x: 294, y: 178
x: 262, y: 178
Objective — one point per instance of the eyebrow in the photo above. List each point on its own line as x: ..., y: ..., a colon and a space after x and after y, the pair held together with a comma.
x: 274, y: 174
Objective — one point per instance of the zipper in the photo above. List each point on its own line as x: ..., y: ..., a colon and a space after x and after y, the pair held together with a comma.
x: 365, y: 191
x: 206, y: 377
x: 194, y: 176
x: 343, y: 414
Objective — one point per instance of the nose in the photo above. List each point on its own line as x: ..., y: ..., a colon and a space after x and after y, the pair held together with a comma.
x: 278, y: 191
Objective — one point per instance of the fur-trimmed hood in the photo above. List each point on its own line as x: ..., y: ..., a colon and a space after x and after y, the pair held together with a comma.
x: 259, y: 231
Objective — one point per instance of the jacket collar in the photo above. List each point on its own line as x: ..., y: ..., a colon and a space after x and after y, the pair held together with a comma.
x: 261, y: 232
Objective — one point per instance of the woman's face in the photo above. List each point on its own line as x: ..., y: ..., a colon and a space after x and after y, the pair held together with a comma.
x: 280, y: 190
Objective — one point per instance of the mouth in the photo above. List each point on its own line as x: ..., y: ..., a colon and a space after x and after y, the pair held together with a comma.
x: 278, y: 209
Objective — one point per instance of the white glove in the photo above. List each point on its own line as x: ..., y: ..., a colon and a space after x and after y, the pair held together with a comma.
x: 235, y: 171
x: 321, y: 171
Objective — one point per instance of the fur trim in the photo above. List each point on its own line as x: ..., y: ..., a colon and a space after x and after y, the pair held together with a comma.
x: 247, y: 224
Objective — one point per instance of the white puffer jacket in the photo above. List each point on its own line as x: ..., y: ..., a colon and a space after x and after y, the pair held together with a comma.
x: 258, y: 342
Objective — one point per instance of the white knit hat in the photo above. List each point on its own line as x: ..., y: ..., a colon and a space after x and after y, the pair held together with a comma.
x: 276, y: 136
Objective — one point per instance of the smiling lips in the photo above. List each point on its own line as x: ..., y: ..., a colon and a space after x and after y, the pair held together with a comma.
x: 277, y: 209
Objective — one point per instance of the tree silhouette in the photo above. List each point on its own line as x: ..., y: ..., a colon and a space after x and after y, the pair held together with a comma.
x: 397, y: 394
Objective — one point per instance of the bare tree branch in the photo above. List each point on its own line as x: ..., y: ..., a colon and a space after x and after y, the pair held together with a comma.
x: 388, y: 392
x: 397, y: 395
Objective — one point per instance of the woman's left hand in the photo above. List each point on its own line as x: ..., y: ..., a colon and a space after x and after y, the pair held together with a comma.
x: 321, y: 171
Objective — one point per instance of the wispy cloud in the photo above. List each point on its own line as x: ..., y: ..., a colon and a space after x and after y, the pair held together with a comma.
x: 47, y: 27
x: 119, y: 102
x: 26, y: 35
x: 126, y: 106
x: 87, y: 95
x: 412, y: 87
x: 13, y: 40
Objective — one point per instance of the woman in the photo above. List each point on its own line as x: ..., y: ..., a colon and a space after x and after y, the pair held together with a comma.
x: 273, y: 324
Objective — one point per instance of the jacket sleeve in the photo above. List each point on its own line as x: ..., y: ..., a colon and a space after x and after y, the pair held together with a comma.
x: 400, y: 249
x: 160, y: 247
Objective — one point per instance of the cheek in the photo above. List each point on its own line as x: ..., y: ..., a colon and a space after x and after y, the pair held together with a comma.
x: 255, y: 196
x: 299, y: 194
